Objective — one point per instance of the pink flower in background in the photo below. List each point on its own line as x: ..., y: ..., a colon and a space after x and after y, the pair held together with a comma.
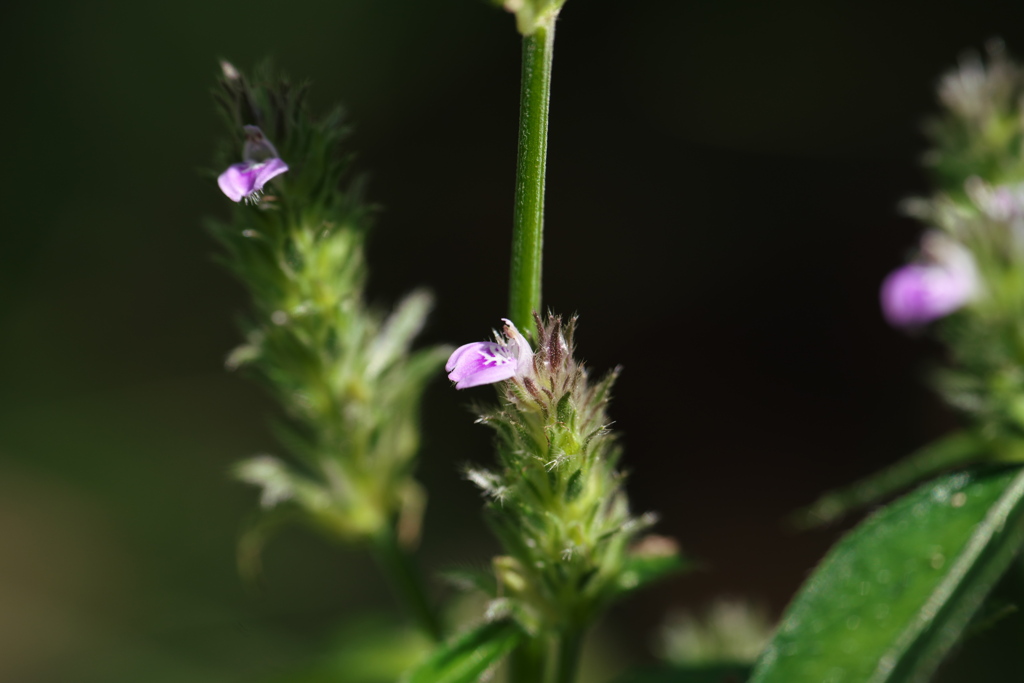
x: 919, y: 293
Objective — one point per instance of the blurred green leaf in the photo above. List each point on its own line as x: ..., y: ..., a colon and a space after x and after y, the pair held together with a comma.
x: 368, y: 649
x: 893, y: 596
x: 472, y: 578
x: 467, y: 657
x: 398, y: 332
x: 957, y: 449
x: 712, y: 673
x: 643, y: 568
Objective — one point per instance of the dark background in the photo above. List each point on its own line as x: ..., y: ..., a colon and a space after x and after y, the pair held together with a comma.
x: 722, y: 193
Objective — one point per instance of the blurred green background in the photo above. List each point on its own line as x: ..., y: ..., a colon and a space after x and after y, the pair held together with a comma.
x: 722, y: 191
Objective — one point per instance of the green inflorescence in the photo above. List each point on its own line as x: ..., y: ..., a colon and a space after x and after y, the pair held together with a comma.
x: 342, y: 371
x: 977, y: 160
x: 557, y: 501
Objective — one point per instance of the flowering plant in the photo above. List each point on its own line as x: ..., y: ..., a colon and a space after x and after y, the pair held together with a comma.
x: 887, y: 604
x: 343, y: 371
x: 350, y: 385
x: 556, y: 501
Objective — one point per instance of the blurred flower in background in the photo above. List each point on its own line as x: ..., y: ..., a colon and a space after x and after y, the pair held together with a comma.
x: 730, y: 631
x: 945, y: 280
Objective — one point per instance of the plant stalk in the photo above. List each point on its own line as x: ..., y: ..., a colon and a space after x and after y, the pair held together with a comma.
x: 531, y: 168
x: 531, y: 662
x: 407, y: 582
x: 567, y: 650
x: 526, y: 662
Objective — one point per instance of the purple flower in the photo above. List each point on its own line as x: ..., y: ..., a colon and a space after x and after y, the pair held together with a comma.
x: 261, y: 163
x: 246, y: 180
x: 921, y: 292
x: 487, y: 362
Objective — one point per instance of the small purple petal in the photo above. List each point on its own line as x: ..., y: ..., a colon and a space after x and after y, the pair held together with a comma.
x: 487, y: 376
x: 480, y: 363
x: 242, y: 180
x: 238, y: 181
x: 917, y: 294
x: 456, y: 355
x: 271, y: 168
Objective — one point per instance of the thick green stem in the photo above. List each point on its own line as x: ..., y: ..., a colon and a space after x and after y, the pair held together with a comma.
x: 552, y: 658
x: 567, y: 650
x: 526, y: 663
x: 407, y: 582
x: 528, y: 218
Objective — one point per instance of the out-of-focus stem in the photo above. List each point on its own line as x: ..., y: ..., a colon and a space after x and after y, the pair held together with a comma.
x: 526, y: 663
x: 407, y: 582
x: 531, y: 168
x: 567, y: 650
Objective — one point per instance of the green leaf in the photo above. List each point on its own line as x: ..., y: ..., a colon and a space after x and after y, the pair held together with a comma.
x: 641, y: 569
x: 367, y: 649
x: 467, y: 657
x: 956, y: 449
x: 893, y: 596
x: 396, y: 335
x: 469, y: 578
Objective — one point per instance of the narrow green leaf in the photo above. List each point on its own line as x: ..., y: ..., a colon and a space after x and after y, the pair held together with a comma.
x: 467, y: 657
x: 893, y: 596
x: 956, y: 449
x: 469, y: 578
x: 398, y: 331
x: 369, y: 648
x: 642, y: 569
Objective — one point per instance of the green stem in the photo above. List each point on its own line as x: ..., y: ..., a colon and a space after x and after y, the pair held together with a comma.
x: 528, y: 218
x: 569, y: 646
x: 407, y: 582
x: 526, y: 663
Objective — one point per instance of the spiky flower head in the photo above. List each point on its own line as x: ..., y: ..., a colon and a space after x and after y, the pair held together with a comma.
x: 971, y: 260
x: 556, y: 499
x: 343, y: 372
x: 980, y: 131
